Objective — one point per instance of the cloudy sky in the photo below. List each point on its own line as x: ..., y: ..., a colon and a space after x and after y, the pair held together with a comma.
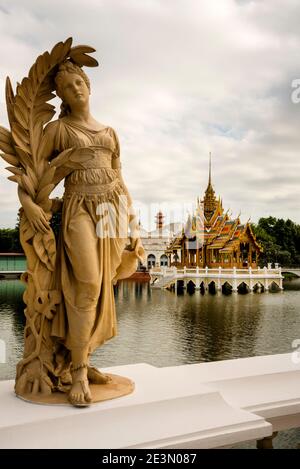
x: 178, y: 79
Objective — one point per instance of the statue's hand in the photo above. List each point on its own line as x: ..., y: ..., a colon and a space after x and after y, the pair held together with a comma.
x: 36, y: 217
x: 137, y: 247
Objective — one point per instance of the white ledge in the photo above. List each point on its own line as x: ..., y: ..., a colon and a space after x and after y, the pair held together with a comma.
x: 201, y: 405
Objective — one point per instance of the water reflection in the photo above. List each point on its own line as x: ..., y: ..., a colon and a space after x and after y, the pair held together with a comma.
x: 164, y: 329
x: 12, y: 324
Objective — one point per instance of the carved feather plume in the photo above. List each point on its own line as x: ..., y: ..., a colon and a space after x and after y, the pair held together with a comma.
x: 28, y: 112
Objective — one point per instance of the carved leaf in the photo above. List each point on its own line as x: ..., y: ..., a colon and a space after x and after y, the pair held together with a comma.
x: 70, y: 159
x: 50, y: 247
x: 36, y: 136
x: 46, y: 85
x: 42, y: 107
x: 31, y: 108
x: 47, y: 177
x: 21, y: 114
x: 16, y: 179
x: 73, y: 157
x: 83, y: 59
x: 44, y: 193
x: 33, y: 75
x: 10, y: 99
x: 45, y: 96
x: 60, y: 50
x: 61, y: 173
x: 45, y: 116
x: 20, y: 101
x: 44, y: 246
x: 28, y: 90
x: 5, y: 135
x: 40, y: 250
x: 14, y: 170
x: 40, y: 65
x: 28, y: 185
x: 6, y: 141
x: 22, y: 133
x: 21, y: 93
x: 6, y: 148
x: 24, y: 157
x: 82, y: 49
x: 61, y: 158
x: 20, y: 136
x: 11, y: 159
x: 55, y: 53
x: 33, y: 177
x: 26, y: 229
x: 80, y: 156
x: 66, y: 48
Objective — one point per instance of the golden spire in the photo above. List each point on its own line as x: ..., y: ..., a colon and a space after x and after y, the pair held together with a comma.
x: 210, y: 202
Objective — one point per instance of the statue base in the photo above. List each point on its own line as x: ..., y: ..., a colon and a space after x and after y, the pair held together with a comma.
x: 118, y: 386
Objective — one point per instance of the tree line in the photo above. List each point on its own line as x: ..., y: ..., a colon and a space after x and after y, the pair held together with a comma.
x: 280, y: 240
x: 10, y: 237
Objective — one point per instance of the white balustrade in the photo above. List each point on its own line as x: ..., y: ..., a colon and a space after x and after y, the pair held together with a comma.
x: 220, y: 275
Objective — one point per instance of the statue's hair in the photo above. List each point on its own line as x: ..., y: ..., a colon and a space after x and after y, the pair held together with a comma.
x: 63, y: 70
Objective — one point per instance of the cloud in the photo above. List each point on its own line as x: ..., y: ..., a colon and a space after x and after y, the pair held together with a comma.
x: 177, y: 80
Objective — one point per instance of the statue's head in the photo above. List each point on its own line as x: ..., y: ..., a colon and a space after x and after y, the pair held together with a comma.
x: 72, y: 86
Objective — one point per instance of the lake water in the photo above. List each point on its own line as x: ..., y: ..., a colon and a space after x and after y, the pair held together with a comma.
x: 165, y: 329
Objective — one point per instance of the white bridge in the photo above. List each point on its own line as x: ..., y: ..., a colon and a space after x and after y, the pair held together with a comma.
x: 291, y: 270
x: 252, y: 279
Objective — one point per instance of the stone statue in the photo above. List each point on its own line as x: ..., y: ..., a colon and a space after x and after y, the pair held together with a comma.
x: 69, y: 297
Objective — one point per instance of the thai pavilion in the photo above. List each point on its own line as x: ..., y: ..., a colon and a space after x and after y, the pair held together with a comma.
x: 211, y: 238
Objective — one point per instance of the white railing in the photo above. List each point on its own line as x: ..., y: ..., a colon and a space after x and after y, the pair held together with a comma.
x: 213, y: 272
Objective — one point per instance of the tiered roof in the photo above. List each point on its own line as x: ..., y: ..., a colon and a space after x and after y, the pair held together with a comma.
x: 210, y: 226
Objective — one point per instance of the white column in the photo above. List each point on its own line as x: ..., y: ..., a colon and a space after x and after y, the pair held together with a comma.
x: 280, y: 281
x: 250, y: 280
x: 234, y: 286
x: 219, y: 285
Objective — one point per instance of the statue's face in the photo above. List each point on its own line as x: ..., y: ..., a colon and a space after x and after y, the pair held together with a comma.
x: 75, y: 91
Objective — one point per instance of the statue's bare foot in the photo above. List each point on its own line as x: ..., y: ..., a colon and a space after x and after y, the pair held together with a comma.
x: 80, y: 394
x: 96, y: 377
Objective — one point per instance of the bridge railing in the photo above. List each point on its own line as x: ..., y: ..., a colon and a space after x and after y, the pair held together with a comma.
x: 202, y: 272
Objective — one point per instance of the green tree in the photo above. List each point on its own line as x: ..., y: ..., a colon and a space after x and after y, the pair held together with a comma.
x: 280, y: 240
